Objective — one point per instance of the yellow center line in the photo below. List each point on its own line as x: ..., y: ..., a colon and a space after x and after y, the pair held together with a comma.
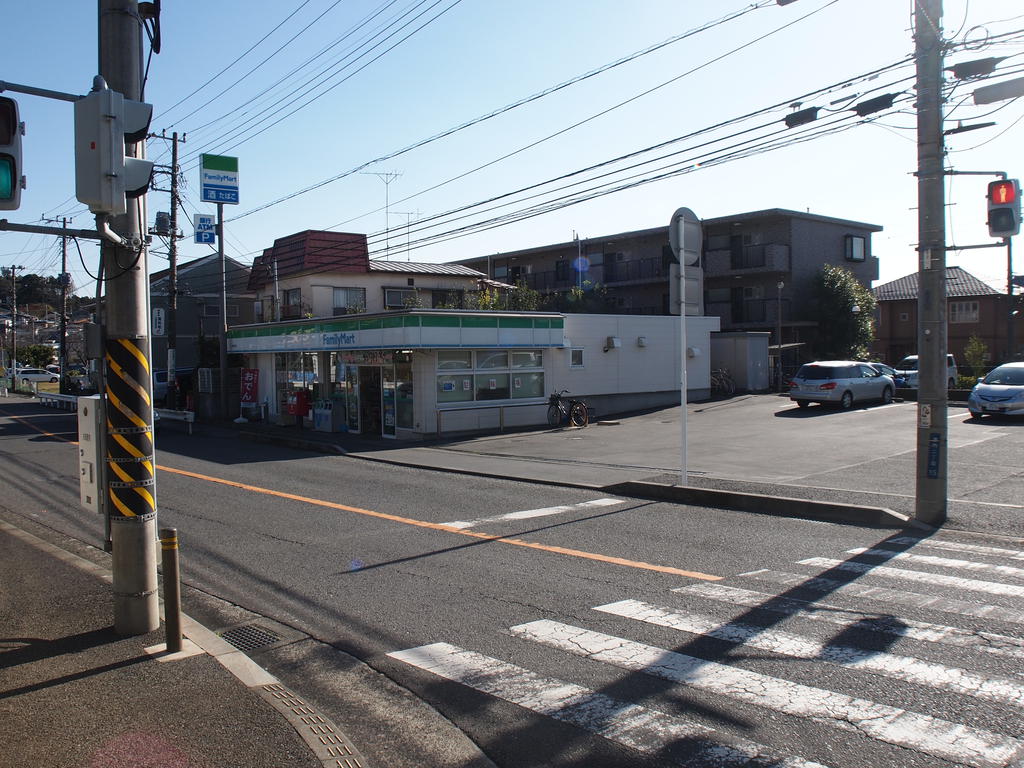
x: 421, y: 523
x: 449, y: 529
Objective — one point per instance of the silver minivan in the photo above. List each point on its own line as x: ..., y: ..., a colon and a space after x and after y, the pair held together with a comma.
x: 840, y: 382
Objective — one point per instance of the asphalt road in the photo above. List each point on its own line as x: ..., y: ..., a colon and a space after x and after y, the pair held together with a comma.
x: 554, y: 626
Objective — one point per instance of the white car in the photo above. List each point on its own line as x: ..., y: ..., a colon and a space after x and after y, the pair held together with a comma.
x: 26, y: 375
x: 907, y: 368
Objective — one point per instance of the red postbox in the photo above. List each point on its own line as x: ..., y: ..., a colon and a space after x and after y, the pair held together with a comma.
x: 298, y: 403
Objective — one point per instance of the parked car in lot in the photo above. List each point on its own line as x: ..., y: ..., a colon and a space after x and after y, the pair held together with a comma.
x: 839, y: 382
x: 907, y: 368
x: 26, y: 375
x: 888, y: 370
x: 1000, y: 392
x: 160, y: 382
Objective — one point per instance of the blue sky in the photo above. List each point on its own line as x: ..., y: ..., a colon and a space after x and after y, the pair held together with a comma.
x: 475, y: 57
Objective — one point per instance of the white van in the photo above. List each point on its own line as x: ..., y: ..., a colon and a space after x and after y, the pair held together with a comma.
x: 907, y: 368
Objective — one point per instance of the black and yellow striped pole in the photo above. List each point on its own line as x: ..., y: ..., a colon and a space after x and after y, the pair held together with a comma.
x: 131, y: 485
x: 172, y: 588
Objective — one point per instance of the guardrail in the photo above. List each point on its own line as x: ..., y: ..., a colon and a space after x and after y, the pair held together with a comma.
x: 54, y: 400
x: 499, y: 408
x: 70, y: 403
x: 188, y: 417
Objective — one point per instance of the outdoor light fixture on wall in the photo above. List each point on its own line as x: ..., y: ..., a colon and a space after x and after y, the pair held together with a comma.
x: 612, y: 342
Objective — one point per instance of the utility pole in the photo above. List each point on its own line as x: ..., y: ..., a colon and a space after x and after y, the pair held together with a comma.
x: 1011, y: 335
x: 131, y: 488
x: 931, y: 496
x: 172, y: 280
x: 14, y: 322
x: 64, y: 278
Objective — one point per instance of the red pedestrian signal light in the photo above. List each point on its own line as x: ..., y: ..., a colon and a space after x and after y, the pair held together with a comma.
x: 1004, y: 208
x: 1002, y: 192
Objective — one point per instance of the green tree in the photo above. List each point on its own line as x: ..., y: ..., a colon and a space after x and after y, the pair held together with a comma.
x: 975, y: 354
x: 844, y: 310
x: 35, y: 355
x: 590, y: 298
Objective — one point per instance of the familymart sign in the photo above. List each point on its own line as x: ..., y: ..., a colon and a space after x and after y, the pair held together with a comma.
x: 218, y: 179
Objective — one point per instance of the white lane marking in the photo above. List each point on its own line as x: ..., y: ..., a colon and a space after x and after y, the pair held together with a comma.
x: 944, y: 562
x: 935, y: 579
x: 885, y: 595
x: 924, y: 733
x: 907, y: 668
x: 957, y: 546
x: 887, y: 623
x: 640, y: 728
x: 528, y: 513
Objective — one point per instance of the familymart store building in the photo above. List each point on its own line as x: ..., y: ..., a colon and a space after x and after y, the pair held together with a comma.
x: 418, y: 373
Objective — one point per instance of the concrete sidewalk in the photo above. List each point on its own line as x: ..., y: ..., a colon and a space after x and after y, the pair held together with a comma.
x: 74, y: 693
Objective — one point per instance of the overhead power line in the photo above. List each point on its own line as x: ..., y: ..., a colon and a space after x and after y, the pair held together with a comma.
x: 557, y: 133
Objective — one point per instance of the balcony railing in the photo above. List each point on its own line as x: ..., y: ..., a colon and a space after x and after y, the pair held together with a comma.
x: 751, y: 259
x: 630, y: 271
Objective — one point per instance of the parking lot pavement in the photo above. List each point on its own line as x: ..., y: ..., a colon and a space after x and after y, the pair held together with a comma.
x: 766, y: 444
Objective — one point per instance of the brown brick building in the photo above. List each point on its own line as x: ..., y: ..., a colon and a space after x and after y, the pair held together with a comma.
x: 973, y: 308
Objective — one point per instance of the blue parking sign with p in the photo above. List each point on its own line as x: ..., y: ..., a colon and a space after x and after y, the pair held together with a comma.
x: 206, y: 229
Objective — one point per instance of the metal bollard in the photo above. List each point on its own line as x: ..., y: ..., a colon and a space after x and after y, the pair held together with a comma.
x: 172, y: 588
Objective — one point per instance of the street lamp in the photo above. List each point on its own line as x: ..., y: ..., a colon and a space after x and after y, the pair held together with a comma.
x: 778, y: 336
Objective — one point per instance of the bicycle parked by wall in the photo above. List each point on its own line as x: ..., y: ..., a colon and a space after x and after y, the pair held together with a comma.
x: 722, y: 383
x: 562, y: 409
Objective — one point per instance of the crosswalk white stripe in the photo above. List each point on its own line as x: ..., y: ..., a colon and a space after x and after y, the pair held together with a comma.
x: 924, y: 733
x: 641, y: 728
x: 528, y: 513
x: 883, y: 594
x: 945, y: 562
x: 926, y: 673
x: 988, y: 642
x: 958, y: 546
x: 974, y: 585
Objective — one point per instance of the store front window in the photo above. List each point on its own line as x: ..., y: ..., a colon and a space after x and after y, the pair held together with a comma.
x: 465, y: 376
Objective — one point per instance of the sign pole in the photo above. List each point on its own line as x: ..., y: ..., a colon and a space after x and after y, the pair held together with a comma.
x: 223, y: 352
x: 685, y: 238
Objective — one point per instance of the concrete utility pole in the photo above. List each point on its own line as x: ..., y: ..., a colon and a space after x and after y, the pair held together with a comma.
x: 930, y: 503
x: 14, y: 323
x: 131, y: 486
x: 172, y: 278
x: 1011, y: 330
x: 64, y: 278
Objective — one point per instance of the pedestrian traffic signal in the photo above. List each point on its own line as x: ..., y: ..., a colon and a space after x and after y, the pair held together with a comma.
x: 104, y: 176
x: 11, y: 180
x: 1004, y: 208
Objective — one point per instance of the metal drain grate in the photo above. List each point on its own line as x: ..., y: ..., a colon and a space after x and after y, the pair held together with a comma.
x: 249, y: 637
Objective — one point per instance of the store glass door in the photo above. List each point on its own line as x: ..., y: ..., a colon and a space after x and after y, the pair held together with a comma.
x: 370, y: 400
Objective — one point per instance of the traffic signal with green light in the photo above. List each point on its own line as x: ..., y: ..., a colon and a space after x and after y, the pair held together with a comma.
x: 1004, y: 208
x: 11, y: 180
